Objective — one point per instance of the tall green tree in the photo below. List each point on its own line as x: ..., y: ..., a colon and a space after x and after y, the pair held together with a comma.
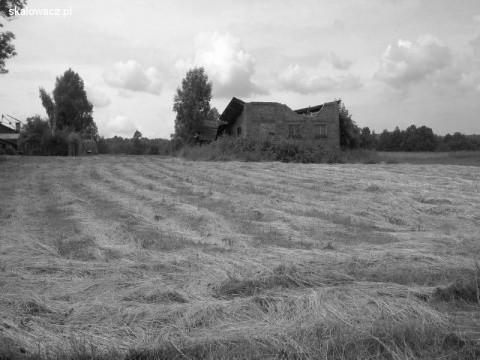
x: 384, y: 141
x: 73, y: 111
x: 458, y: 142
x: 192, y: 105
x: 69, y: 109
x: 397, y: 140
x: 349, y: 131
x: 411, y: 139
x: 137, y: 145
x: 427, y: 141
x: 90, y: 132
x: 368, y: 140
x: 49, y: 106
x: 214, y: 115
x: 7, y: 49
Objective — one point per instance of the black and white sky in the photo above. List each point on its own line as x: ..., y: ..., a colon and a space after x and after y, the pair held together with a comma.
x: 393, y: 62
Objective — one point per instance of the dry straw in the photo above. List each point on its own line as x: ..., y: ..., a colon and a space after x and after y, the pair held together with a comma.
x: 321, y: 261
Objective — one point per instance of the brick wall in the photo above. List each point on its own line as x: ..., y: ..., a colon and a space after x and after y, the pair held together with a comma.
x: 266, y: 118
x: 239, y: 123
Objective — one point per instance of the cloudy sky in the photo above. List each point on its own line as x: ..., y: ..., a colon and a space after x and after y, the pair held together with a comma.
x: 393, y: 62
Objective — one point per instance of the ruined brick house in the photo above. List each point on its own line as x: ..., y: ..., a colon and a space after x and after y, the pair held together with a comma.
x: 316, y: 123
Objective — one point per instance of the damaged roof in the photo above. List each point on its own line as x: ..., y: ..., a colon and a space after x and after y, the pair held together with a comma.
x: 235, y: 108
x: 232, y: 111
x: 309, y: 109
x: 314, y: 108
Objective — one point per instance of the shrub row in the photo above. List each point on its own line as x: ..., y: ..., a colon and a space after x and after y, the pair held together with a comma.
x: 275, y: 149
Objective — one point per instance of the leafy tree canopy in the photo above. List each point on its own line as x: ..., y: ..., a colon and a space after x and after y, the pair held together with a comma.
x: 35, y: 127
x: 192, y: 105
x: 7, y: 50
x: 458, y: 142
x: 34, y: 135
x: 72, y: 108
x: 69, y: 108
x: 7, y: 5
x: 137, y: 134
x: 412, y: 139
x: 90, y: 132
x: 138, y: 147
x: 214, y: 115
x: 49, y: 106
x: 368, y: 139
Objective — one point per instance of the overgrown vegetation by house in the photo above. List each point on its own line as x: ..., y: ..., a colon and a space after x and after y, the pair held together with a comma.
x: 275, y: 149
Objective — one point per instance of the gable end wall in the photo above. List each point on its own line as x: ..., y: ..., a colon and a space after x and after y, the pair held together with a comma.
x: 239, y: 122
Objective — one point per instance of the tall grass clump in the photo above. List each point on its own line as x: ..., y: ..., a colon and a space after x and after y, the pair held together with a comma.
x: 275, y: 149
x: 466, y: 290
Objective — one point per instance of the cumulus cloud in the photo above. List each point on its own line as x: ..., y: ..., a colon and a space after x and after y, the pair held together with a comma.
x: 430, y: 63
x: 340, y: 63
x: 469, y: 81
x: 405, y: 63
x: 97, y: 97
x: 463, y: 75
x: 120, y: 125
x: 131, y: 76
x: 308, y: 81
x: 227, y: 64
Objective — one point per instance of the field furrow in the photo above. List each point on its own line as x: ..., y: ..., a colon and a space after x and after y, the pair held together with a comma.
x: 263, y: 259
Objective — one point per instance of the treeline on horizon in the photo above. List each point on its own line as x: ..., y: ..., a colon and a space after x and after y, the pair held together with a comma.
x: 414, y: 139
x: 137, y: 145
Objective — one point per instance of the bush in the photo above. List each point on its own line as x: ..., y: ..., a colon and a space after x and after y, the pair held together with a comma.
x: 8, y: 151
x: 275, y: 149
x: 56, y: 144
x: 74, y: 143
x: 153, y: 150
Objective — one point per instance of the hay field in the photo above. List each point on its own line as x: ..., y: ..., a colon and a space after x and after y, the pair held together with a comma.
x: 151, y: 257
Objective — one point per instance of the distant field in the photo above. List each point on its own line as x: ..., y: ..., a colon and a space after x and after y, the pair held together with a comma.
x: 161, y: 258
x: 465, y: 158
